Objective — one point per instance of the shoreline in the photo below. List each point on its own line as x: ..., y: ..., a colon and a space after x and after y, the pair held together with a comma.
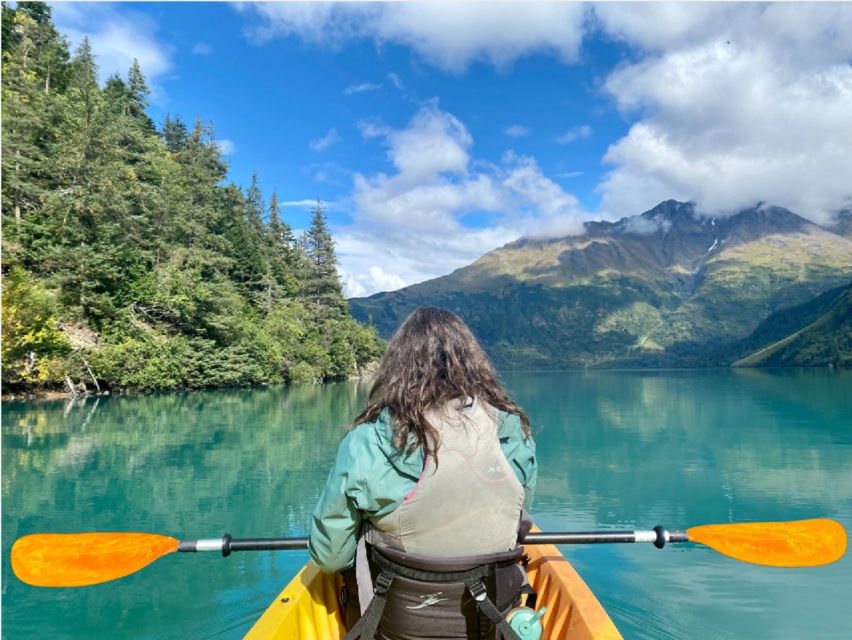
x: 55, y: 394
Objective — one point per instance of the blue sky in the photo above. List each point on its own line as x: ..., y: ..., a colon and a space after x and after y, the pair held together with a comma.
x: 435, y: 133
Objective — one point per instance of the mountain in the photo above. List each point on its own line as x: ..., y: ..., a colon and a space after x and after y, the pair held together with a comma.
x: 775, y: 328
x: 664, y: 288
x: 825, y: 341
x: 842, y: 223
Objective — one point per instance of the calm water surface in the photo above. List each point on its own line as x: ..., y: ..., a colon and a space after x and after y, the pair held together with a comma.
x: 630, y: 449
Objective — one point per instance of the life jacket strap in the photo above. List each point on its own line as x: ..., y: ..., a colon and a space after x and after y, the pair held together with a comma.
x: 368, y: 624
x: 487, y: 608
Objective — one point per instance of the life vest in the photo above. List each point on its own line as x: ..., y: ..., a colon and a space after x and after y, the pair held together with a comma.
x: 445, y: 563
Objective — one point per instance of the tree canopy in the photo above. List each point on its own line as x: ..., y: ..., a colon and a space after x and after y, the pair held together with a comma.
x: 129, y: 261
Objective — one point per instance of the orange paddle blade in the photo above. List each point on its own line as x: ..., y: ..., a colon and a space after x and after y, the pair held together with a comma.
x: 802, y: 543
x: 79, y: 559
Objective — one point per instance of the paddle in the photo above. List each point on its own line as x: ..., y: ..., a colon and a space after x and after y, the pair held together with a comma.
x: 79, y: 559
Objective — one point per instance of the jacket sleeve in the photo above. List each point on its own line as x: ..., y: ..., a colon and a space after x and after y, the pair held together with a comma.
x: 363, y: 483
x: 520, y: 451
x: 337, y: 518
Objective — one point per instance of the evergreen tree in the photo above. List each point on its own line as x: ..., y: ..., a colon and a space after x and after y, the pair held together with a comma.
x: 175, y: 134
x: 254, y: 204
x: 138, y: 94
x: 131, y: 237
x: 322, y: 286
x: 34, y: 61
x: 284, y: 240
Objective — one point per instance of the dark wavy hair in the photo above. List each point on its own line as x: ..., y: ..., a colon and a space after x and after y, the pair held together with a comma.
x: 432, y: 358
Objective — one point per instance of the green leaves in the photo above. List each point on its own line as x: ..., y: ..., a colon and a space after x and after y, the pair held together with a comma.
x: 131, y: 233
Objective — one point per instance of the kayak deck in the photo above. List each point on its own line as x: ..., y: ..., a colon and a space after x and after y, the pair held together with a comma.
x: 307, y: 608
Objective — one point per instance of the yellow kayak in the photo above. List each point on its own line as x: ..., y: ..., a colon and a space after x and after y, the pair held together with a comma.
x: 307, y: 608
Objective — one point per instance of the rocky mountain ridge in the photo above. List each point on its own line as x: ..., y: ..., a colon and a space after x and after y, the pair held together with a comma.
x: 657, y: 289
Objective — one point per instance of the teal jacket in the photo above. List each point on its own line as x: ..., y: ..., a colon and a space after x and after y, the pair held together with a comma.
x: 371, y: 477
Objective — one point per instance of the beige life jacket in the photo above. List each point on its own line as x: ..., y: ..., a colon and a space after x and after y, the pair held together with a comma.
x: 469, y: 502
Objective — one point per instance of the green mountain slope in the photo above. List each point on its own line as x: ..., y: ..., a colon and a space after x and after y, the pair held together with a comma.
x: 664, y: 288
x: 776, y: 327
x: 827, y: 340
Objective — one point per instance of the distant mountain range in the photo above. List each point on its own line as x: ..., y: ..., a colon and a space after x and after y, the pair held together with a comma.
x: 668, y: 287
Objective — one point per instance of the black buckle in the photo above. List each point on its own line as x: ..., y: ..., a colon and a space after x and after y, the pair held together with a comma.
x: 477, y: 590
x: 383, y: 583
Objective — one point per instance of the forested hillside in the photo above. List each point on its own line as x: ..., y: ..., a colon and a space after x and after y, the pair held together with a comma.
x: 825, y: 341
x: 129, y: 261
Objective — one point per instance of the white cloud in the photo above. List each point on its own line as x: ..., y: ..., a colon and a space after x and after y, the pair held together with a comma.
x: 448, y: 35
x: 575, y: 133
x: 374, y: 128
x: 202, y: 49
x: 227, y: 147
x: 516, y: 131
x: 736, y: 104
x: 323, y: 143
x: 117, y: 37
x: 361, y: 88
x: 410, y: 224
x: 301, y: 203
x: 731, y: 103
x: 396, y: 81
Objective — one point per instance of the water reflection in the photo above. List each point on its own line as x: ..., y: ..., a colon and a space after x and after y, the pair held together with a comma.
x: 615, y: 448
x: 251, y: 462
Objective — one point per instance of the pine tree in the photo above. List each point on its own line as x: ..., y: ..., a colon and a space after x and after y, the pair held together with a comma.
x: 254, y: 204
x: 282, y: 233
x: 138, y: 95
x: 175, y: 134
x: 322, y: 286
x: 34, y: 62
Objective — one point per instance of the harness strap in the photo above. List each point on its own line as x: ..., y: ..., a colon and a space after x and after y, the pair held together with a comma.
x: 489, y: 610
x: 429, y: 576
x: 368, y: 624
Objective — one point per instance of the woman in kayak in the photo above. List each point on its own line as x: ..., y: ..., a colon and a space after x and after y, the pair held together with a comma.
x: 434, y: 476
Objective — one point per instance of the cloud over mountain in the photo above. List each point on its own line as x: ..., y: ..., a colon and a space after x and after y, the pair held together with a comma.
x: 735, y: 104
x: 411, y: 223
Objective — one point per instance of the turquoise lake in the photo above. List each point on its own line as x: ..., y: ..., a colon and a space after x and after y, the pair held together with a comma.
x: 616, y: 449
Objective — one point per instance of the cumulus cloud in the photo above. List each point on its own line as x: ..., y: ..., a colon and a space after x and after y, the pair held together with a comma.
x: 729, y: 103
x: 575, y: 133
x: 361, y: 88
x: 516, y: 131
x: 410, y: 223
x: 117, y: 37
x: 735, y: 104
x: 323, y: 143
x: 448, y: 35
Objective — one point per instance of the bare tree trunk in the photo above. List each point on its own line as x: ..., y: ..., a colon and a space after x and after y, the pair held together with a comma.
x: 17, y: 191
x: 95, y: 380
x: 71, y: 388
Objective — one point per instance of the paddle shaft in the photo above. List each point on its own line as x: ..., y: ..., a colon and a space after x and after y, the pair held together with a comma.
x: 658, y: 536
